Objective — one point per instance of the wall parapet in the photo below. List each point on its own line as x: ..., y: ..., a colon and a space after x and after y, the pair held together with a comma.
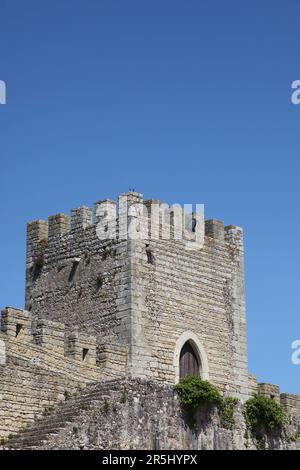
x: 291, y: 404
x: 151, y: 218
x: 23, y: 335
x: 42, y: 365
x: 288, y: 401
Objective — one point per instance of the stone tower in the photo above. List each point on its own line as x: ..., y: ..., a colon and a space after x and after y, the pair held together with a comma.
x: 168, y: 305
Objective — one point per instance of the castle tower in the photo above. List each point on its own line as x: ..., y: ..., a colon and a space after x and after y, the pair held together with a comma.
x: 131, y: 274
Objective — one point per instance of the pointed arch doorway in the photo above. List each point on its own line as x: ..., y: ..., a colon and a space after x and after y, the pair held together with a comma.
x: 190, y: 356
x: 188, y: 361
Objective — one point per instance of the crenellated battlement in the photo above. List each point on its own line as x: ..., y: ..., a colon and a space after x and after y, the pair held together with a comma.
x: 131, y: 217
x: 82, y: 347
x: 289, y: 402
x: 101, y: 270
x: 16, y: 324
x: 124, y: 289
x: 22, y: 328
x: 42, y: 364
x: 25, y: 334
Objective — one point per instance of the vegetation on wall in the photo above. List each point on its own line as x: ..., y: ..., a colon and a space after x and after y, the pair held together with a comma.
x: 226, y: 410
x: 195, y: 392
x: 264, y: 413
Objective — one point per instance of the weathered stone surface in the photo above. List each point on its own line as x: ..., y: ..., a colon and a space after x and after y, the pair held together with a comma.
x: 146, y: 292
x: 138, y: 414
x: 102, y: 306
x: 38, y: 369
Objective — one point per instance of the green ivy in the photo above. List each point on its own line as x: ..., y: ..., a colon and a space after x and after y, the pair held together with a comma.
x: 194, y: 392
x: 261, y: 443
x: 264, y: 412
x: 226, y: 409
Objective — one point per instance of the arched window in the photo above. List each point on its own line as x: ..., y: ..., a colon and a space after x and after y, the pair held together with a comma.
x: 188, y: 361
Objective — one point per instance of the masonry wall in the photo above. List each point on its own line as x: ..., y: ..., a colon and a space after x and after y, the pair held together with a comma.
x: 198, y: 292
x: 41, y: 366
x: 188, y: 292
x: 102, y: 306
x: 290, y: 403
x: 140, y: 414
x: 143, y: 294
x: 81, y: 281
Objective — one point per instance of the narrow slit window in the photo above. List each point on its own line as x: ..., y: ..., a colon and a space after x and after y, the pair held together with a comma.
x: 194, y: 224
x: 73, y: 270
x: 84, y: 353
x: 150, y: 257
x: 172, y: 222
x: 99, y: 281
x: 19, y: 328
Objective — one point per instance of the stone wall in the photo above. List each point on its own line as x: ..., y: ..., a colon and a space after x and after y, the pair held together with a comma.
x: 140, y: 414
x: 181, y: 294
x: 196, y: 295
x: 147, y: 292
x: 78, y: 280
x: 289, y: 403
x: 41, y: 366
x: 102, y: 306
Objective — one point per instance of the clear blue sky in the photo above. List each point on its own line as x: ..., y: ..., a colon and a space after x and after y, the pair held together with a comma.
x: 186, y: 101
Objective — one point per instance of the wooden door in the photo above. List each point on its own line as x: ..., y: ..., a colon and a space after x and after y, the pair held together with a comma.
x: 188, y: 362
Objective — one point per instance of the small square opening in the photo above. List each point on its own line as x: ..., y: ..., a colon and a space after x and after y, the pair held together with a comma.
x: 84, y: 353
x: 19, y: 328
